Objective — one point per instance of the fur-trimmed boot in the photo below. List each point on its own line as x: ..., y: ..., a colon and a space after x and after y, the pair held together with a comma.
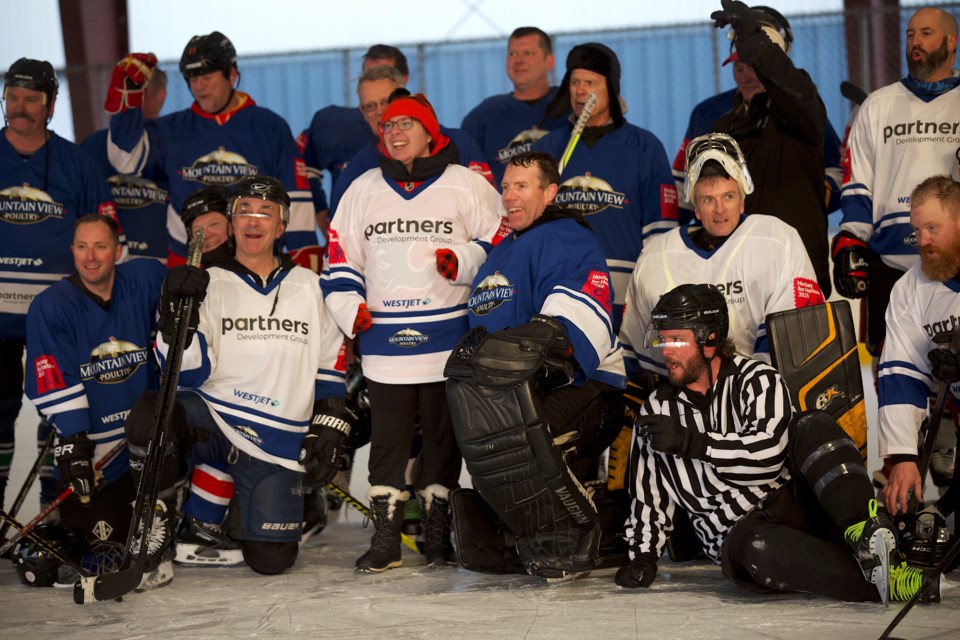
x: 437, y: 546
x: 386, y: 511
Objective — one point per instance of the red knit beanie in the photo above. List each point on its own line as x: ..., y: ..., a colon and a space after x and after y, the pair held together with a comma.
x: 418, y: 108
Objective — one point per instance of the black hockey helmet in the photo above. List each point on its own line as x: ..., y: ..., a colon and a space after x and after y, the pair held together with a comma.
x: 37, y: 75
x: 775, y: 19
x: 700, y: 307
x: 38, y: 567
x: 265, y: 188
x: 208, y: 53
x: 212, y: 198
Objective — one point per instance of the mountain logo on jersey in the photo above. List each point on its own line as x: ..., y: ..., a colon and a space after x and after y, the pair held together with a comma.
x: 408, y: 338
x: 247, y: 433
x: 521, y: 143
x: 220, y: 167
x: 589, y: 195
x: 492, y: 291
x: 911, y: 240
x: 134, y: 192
x: 114, y: 361
x: 597, y: 286
x: 27, y: 205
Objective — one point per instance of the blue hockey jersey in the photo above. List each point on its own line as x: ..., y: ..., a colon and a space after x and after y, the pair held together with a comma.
x: 335, y: 135
x: 87, y: 365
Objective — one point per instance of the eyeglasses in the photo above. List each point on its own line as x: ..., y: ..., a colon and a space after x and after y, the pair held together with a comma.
x: 371, y: 107
x: 403, y: 124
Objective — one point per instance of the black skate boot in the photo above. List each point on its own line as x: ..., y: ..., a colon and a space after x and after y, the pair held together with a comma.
x: 204, y: 544
x: 437, y: 546
x: 160, y: 549
x: 386, y: 511
x: 874, y: 545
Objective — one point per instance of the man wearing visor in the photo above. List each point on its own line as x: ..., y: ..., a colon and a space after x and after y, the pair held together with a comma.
x: 758, y: 263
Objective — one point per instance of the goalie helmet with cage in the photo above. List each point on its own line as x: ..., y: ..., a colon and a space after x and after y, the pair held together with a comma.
x: 208, y: 53
x: 37, y: 567
x: 37, y: 75
x: 698, y: 307
x: 264, y: 188
x: 716, y: 154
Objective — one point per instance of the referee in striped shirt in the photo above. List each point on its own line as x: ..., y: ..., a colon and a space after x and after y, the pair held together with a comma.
x: 781, y: 501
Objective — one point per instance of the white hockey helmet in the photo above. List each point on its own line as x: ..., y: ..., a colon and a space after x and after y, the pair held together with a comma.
x: 722, y: 149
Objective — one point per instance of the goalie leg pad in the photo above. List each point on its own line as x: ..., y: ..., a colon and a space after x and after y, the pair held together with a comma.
x: 522, y: 474
x: 484, y: 543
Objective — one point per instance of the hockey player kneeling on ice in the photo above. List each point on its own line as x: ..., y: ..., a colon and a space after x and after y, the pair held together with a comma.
x: 520, y: 424
x: 781, y: 500
x: 262, y: 358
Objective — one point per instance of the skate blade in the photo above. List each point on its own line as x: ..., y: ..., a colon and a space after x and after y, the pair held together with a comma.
x: 882, y: 544
x: 156, y: 579
x: 392, y: 565
x: 192, y: 555
x: 566, y: 578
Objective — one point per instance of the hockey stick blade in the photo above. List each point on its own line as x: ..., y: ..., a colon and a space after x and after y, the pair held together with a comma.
x: 108, y: 586
x: 852, y: 92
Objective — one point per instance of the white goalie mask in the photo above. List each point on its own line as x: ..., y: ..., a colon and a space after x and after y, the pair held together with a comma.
x: 723, y: 149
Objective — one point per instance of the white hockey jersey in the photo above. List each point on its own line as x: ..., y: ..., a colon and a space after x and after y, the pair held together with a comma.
x: 382, y: 251
x: 761, y: 268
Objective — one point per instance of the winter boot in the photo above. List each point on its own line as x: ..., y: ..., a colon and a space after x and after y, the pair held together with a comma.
x: 437, y: 546
x: 204, y: 544
x: 158, y: 571
x: 386, y: 511
x: 412, y: 517
x: 906, y: 581
x: 873, y: 542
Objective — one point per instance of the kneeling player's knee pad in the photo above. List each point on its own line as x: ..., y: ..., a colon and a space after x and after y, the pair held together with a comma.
x: 822, y: 452
x: 269, y: 558
x: 270, y: 500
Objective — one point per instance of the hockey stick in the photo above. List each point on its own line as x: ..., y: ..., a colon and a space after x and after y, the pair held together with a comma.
x: 933, y: 423
x: 928, y: 582
x: 43, y: 543
x: 852, y: 92
x: 27, y: 483
x: 110, y: 586
x: 365, y: 510
x: 66, y: 493
x: 578, y: 128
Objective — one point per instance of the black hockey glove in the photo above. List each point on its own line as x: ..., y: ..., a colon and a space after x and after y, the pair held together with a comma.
x: 74, y: 456
x: 851, y: 262
x: 180, y: 283
x: 321, y: 448
x: 639, y: 573
x: 945, y: 359
x: 738, y: 16
x: 666, y: 435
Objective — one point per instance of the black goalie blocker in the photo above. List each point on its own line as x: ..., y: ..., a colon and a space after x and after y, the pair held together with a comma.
x: 513, y: 458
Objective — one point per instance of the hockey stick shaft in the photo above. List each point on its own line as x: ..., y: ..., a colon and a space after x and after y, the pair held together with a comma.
x: 928, y: 581
x: 28, y: 482
x: 365, y: 510
x: 110, y: 586
x: 43, y: 543
x: 66, y: 493
x: 578, y: 128
x: 933, y: 424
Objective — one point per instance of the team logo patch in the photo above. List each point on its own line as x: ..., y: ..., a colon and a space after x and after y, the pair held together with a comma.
x: 133, y: 192
x: 341, y: 364
x: 113, y: 361
x: 102, y: 530
x: 219, y: 167
x: 408, y: 339
x: 806, y: 293
x: 492, y: 291
x: 589, y: 195
x: 247, y: 433
x: 27, y: 205
x: 669, y: 208
x: 482, y: 168
x: 334, y: 251
x: 49, y: 377
x: 521, y: 143
x: 597, y: 287
x: 825, y: 398
x: 300, y: 171
x: 504, y: 231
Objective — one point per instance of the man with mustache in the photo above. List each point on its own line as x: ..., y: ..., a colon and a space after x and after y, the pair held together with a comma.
x: 904, y: 133
x: 46, y: 184
x: 923, y: 303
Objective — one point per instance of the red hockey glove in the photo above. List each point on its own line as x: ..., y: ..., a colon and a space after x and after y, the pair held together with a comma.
x: 447, y: 264
x: 126, y: 83
x: 851, y: 261
x: 363, y: 320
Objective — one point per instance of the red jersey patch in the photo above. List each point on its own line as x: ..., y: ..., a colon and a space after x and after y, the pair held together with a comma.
x: 334, y: 250
x: 300, y: 171
x: 504, y: 230
x: 302, y: 142
x: 483, y: 169
x: 669, y: 209
x: 48, y: 373
x: 341, y: 364
x: 806, y: 293
x: 597, y: 287
x: 108, y: 209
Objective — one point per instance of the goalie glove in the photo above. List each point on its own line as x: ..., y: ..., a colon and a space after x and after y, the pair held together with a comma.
x: 127, y: 82
x: 639, y: 573
x: 321, y: 448
x: 851, y: 262
x: 74, y: 456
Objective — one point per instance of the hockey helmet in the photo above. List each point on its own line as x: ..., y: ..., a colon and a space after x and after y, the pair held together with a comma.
x: 699, y: 307
x: 36, y: 566
x: 37, y: 75
x: 208, y: 53
x: 264, y: 188
x: 773, y: 24
x: 722, y: 149
x: 212, y: 198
